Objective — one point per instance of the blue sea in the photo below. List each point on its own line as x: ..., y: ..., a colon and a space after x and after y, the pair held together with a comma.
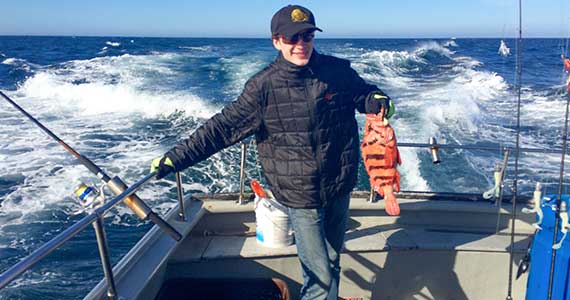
x: 123, y: 101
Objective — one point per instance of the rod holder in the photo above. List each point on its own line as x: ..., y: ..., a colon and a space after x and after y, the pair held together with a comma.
x: 241, y: 199
x: 117, y: 186
x: 372, y: 197
x: 180, y: 192
x: 434, y: 151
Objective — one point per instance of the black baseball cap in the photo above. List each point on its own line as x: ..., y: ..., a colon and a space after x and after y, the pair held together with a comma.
x: 292, y: 19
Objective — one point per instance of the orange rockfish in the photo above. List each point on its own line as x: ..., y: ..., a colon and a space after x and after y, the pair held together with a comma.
x: 381, y: 156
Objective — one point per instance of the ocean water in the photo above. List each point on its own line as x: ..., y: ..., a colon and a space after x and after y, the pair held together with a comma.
x: 123, y: 101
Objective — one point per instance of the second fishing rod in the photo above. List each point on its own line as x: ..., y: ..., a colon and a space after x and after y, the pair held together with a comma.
x: 115, y: 184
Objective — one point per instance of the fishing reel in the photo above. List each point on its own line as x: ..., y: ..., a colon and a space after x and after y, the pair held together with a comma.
x: 89, y: 198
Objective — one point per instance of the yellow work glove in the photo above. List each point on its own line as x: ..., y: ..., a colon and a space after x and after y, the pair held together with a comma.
x: 387, y: 104
x: 162, y: 165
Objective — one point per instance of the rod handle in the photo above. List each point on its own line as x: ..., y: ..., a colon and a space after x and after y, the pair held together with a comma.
x: 173, y: 233
x: 135, y: 203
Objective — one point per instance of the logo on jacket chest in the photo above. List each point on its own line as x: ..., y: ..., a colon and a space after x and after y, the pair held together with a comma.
x: 329, y: 96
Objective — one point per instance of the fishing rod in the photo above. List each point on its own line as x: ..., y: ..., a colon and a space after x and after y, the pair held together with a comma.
x: 115, y: 184
x: 517, y: 154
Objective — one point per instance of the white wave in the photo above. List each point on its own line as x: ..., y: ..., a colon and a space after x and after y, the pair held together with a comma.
x: 13, y: 61
x: 36, y: 278
x: 394, y: 59
x: 42, y: 191
x: 239, y: 69
x: 114, y: 84
x: 201, y: 51
x: 480, y: 85
x: 113, y: 44
x: 465, y: 62
x: 412, y: 178
x: 99, y: 97
x: 103, y: 50
x: 197, y: 48
x: 458, y: 103
x: 540, y: 109
x: 435, y: 47
x: 450, y: 43
x: 20, y: 63
x: 393, y: 68
x: 387, y: 67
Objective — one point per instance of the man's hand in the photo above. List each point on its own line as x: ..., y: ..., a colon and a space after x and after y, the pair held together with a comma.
x: 162, y: 165
x: 378, y: 100
x: 390, y: 201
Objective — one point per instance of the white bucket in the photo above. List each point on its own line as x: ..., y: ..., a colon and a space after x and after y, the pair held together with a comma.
x: 272, y: 226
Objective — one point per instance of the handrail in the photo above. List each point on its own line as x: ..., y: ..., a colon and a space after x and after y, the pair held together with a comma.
x: 47, y: 248
x: 480, y: 147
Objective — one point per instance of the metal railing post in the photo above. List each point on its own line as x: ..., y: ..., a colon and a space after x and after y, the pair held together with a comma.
x: 503, y: 174
x: 180, y: 191
x: 372, y: 195
x: 99, y: 227
x: 241, y: 199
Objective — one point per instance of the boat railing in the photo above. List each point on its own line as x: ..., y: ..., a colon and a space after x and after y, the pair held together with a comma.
x: 433, y: 147
x: 96, y: 215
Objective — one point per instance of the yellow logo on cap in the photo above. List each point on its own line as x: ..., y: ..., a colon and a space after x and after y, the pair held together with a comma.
x: 298, y: 15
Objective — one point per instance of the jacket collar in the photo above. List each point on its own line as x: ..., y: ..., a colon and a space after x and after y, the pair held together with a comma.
x: 291, y: 68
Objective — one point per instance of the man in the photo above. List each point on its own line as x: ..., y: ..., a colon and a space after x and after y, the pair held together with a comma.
x: 301, y: 109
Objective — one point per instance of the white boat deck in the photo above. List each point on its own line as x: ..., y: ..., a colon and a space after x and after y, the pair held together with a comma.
x: 450, y: 248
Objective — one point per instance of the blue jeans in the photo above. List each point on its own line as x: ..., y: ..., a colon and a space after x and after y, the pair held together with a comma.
x: 319, y: 235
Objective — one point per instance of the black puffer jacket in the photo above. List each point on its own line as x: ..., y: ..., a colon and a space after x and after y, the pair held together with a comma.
x: 305, y: 127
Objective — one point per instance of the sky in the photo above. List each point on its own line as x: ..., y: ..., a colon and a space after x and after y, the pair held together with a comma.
x: 251, y: 18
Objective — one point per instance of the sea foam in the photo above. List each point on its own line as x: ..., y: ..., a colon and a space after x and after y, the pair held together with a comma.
x: 113, y: 44
x: 114, y: 84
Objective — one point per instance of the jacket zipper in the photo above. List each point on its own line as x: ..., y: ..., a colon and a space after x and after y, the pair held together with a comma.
x: 313, y: 122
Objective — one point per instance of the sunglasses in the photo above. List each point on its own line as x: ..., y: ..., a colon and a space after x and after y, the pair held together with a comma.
x: 307, y: 37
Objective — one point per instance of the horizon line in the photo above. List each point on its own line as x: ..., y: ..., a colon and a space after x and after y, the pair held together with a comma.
x: 269, y: 37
